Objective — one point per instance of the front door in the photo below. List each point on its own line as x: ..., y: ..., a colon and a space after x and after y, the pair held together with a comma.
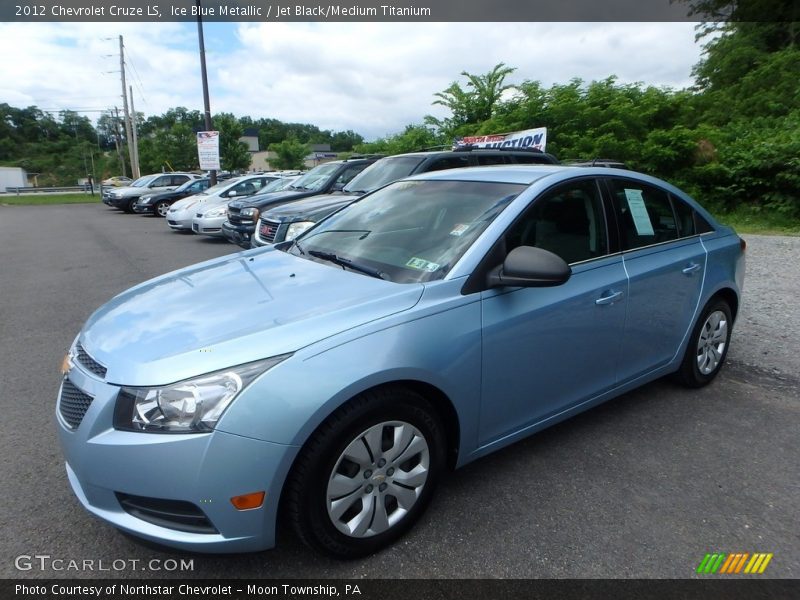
x: 546, y: 350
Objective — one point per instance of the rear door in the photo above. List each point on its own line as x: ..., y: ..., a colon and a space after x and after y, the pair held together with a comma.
x: 666, y: 263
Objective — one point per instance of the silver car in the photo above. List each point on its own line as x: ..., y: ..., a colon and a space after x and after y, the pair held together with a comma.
x: 180, y: 215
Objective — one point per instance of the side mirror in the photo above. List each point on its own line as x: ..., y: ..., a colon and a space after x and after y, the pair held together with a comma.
x: 231, y: 194
x: 337, y: 187
x: 528, y: 266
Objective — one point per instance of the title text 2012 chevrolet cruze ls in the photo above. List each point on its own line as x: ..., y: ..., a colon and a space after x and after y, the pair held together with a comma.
x: 430, y: 323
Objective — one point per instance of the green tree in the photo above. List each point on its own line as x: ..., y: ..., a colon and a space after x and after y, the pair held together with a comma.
x: 233, y: 153
x: 472, y: 105
x: 290, y: 154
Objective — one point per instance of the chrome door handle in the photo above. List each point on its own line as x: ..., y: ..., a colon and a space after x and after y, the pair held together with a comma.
x: 610, y: 299
x: 692, y: 268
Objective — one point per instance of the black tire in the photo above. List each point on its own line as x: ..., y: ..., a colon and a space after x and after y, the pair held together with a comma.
x: 129, y: 205
x: 392, y: 412
x: 694, y: 371
x: 163, y: 205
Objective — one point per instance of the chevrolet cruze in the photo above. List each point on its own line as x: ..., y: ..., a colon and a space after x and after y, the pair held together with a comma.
x: 331, y: 380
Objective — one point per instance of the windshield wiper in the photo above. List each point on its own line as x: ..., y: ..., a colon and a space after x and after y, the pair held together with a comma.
x: 347, y: 264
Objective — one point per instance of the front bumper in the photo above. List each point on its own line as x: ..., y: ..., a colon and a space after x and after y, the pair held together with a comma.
x: 208, y: 225
x: 120, y: 203
x: 142, y: 208
x: 180, y: 220
x: 238, y: 235
x: 206, y: 470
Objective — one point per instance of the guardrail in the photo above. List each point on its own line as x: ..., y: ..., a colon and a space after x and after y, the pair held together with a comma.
x: 35, y: 190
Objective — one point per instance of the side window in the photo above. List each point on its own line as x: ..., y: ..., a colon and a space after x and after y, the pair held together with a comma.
x: 530, y: 159
x: 644, y: 213
x: 245, y: 188
x: 567, y: 221
x: 493, y: 159
x: 685, y: 215
x: 349, y: 173
x: 448, y: 162
x: 163, y: 181
x: 179, y: 180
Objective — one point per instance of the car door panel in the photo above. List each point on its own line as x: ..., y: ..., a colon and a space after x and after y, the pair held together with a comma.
x: 665, y: 271
x: 547, y: 349
x: 665, y: 288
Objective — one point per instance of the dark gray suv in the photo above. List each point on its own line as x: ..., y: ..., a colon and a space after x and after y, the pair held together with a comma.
x: 290, y: 220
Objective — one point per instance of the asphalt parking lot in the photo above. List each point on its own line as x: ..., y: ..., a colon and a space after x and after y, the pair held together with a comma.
x: 642, y: 487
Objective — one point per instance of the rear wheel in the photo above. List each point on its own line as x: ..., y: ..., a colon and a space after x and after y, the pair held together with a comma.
x: 708, y: 345
x: 367, y: 474
x: 161, y: 208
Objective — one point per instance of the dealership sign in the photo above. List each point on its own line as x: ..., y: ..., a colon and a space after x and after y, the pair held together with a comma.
x: 530, y: 138
x: 208, y: 149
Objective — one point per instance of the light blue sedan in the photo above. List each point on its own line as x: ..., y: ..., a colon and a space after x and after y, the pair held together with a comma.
x: 336, y: 377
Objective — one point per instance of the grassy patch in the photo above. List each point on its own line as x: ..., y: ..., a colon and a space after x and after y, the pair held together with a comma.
x: 28, y: 199
x: 749, y: 219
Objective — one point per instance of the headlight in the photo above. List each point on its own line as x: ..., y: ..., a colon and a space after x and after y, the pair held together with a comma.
x: 145, y: 199
x: 190, y: 406
x: 216, y: 212
x: 296, y: 229
x: 250, y: 213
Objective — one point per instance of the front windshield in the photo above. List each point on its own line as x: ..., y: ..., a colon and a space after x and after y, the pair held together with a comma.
x: 316, y: 178
x: 143, y: 181
x: 194, y: 184
x: 409, y: 231
x: 386, y: 170
x: 278, y: 184
x: 222, y: 185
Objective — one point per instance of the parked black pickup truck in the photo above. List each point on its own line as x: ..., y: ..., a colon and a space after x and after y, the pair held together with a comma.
x: 286, y: 222
x: 326, y: 178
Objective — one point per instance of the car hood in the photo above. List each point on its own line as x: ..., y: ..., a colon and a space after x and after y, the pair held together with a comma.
x: 163, y: 195
x: 308, y: 206
x: 195, y: 203
x: 271, y: 198
x: 232, y: 310
x: 183, y: 203
x: 128, y: 191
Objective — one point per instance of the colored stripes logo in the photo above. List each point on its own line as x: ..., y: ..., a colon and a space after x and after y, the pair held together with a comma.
x: 734, y: 564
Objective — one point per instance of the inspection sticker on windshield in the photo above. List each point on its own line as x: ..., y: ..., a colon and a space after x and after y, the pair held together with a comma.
x: 459, y: 229
x: 422, y: 264
x: 641, y: 219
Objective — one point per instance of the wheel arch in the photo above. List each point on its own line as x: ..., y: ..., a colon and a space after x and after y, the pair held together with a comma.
x: 439, y: 401
x: 730, y: 296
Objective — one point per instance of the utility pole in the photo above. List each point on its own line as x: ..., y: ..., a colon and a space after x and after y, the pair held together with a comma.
x: 135, y: 136
x: 129, y: 134
x: 118, y: 142
x: 204, y: 77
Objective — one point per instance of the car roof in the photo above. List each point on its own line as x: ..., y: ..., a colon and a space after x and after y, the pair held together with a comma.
x: 525, y: 174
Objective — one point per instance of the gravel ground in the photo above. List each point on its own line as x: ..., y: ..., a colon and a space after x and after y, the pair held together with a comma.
x: 767, y: 331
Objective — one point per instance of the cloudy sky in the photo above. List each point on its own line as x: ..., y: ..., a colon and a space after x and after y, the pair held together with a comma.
x: 373, y: 78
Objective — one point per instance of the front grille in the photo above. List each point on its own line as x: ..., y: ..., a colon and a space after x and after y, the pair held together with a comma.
x: 172, y: 514
x: 73, y: 404
x: 267, y: 230
x: 91, y: 364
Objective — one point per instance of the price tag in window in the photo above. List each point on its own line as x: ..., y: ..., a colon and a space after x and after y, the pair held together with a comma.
x: 641, y: 219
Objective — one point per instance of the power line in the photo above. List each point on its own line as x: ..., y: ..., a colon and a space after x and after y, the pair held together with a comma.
x: 137, y: 79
